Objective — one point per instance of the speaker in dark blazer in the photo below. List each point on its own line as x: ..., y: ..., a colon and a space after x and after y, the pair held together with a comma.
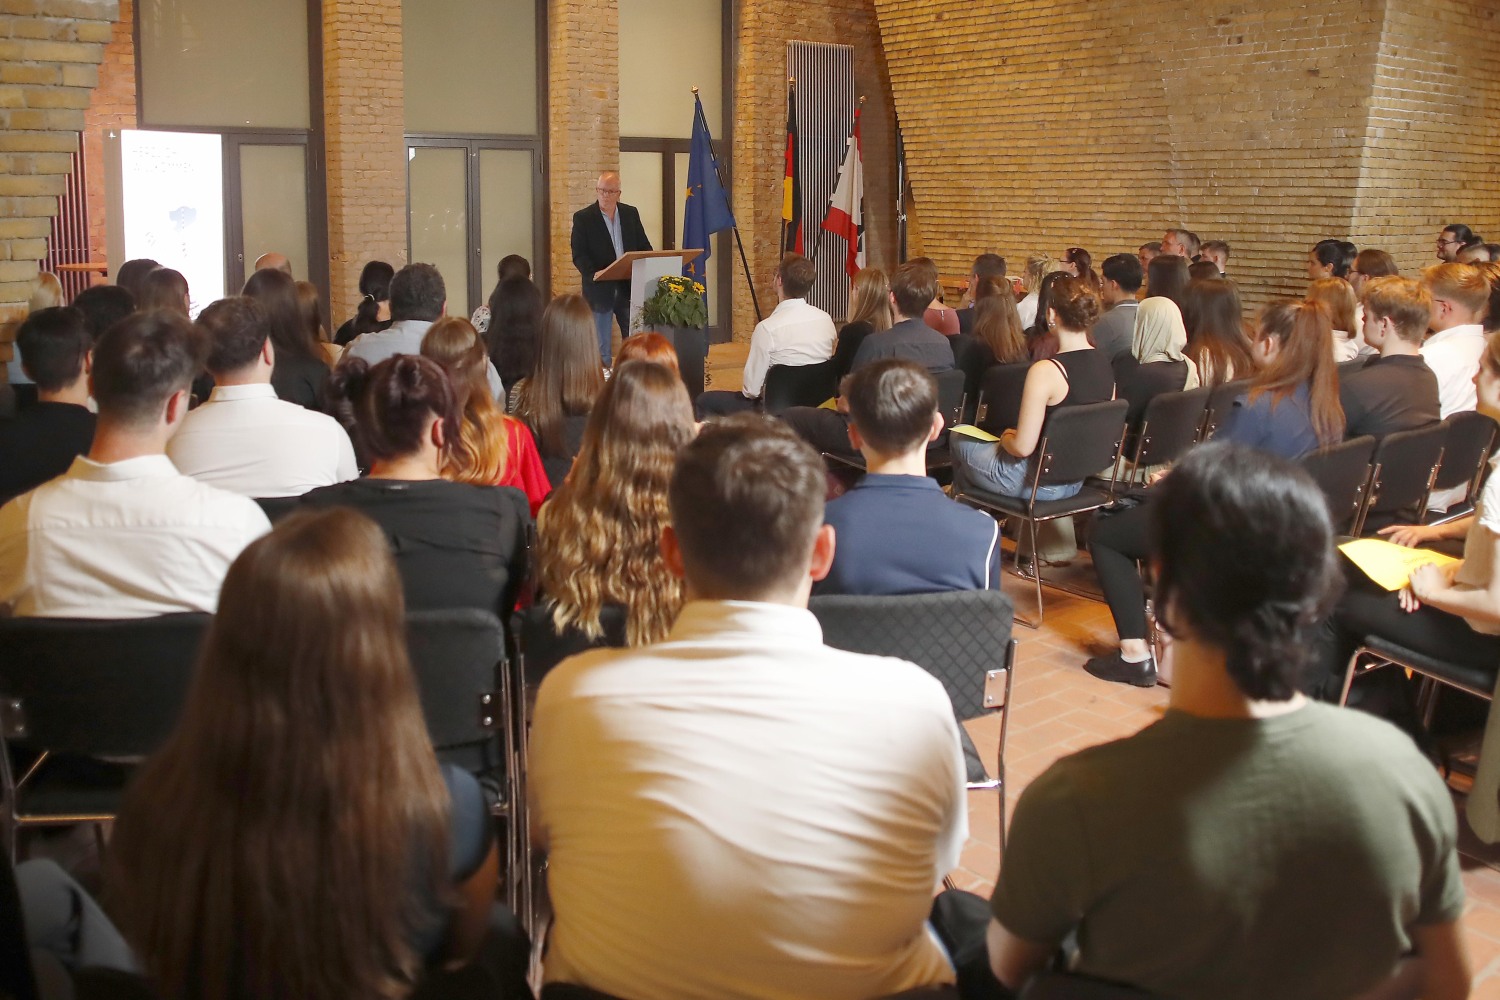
x: 593, y: 251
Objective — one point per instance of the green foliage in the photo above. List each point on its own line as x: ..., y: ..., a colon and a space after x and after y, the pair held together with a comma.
x: 677, y: 301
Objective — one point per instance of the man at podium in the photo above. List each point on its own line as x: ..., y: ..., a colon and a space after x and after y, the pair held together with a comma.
x: 602, y: 233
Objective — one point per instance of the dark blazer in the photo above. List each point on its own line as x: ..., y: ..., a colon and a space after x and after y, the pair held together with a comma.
x: 593, y: 251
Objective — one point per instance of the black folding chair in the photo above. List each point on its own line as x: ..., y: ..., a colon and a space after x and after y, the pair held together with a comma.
x: 1076, y: 442
x: 961, y: 637
x: 951, y: 402
x: 275, y: 508
x: 799, y: 385
x: 971, y: 355
x: 80, y: 693
x: 1169, y: 428
x: 1466, y: 456
x: 1000, y: 388
x: 1220, y: 401
x: 1402, y: 472
x: 1342, y: 473
x: 1375, y: 653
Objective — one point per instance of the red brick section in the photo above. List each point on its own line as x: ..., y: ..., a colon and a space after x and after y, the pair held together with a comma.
x: 364, y: 113
x: 49, y: 54
x: 111, y: 107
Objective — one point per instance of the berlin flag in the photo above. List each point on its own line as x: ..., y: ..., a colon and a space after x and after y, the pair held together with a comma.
x: 846, y: 215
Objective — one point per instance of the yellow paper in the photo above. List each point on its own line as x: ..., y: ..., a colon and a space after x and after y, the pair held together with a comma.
x: 969, y: 430
x: 1388, y: 564
x: 829, y: 404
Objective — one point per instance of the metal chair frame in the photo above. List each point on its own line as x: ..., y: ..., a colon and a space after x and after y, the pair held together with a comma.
x: 1377, y: 469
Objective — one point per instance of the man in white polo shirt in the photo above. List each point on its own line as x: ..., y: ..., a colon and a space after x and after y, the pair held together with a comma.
x: 1452, y: 350
x: 122, y: 533
x: 796, y: 333
x: 244, y: 439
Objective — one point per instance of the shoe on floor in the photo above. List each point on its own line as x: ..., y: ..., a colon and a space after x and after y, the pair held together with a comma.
x: 1114, y: 668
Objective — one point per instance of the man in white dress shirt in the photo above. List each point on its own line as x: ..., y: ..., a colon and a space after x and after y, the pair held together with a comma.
x: 1452, y: 350
x: 123, y: 534
x: 244, y: 439
x: 796, y: 333
x: 419, y: 298
x: 741, y: 810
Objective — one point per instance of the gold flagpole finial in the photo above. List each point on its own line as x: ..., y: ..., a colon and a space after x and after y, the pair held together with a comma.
x: 695, y: 91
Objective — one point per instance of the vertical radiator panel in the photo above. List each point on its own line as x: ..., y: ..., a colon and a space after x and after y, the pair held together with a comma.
x: 825, y: 117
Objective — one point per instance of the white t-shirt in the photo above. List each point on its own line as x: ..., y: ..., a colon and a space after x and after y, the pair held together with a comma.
x: 128, y: 539
x: 245, y: 440
x: 795, y: 333
x: 741, y: 811
x: 1026, y: 309
x: 1478, y: 567
x: 1453, y: 355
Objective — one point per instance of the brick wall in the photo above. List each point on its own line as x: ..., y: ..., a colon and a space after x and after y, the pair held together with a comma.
x: 1433, y: 138
x: 364, y: 120
x: 48, y: 65
x: 111, y: 106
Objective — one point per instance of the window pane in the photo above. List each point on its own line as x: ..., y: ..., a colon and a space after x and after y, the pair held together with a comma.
x: 656, y: 96
x: 436, y: 177
x: 716, y: 260
x: 470, y: 66
x: 273, y: 204
x: 206, y: 62
x: 640, y: 185
x: 505, y: 210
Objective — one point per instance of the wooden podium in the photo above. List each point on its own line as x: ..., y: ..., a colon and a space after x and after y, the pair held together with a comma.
x: 644, y: 268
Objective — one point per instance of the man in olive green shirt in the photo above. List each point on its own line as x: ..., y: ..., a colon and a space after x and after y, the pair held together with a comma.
x: 1251, y: 844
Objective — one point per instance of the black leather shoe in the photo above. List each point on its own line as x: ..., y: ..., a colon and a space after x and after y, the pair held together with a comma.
x: 1114, y: 668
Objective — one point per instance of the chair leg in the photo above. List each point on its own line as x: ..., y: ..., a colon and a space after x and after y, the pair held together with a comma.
x: 1036, y: 568
x: 1349, y: 672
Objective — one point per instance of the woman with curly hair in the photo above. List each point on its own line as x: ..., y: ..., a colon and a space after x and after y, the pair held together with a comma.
x: 598, y: 537
x: 492, y: 449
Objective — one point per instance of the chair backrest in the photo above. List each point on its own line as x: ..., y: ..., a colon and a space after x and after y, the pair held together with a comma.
x: 950, y: 394
x: 958, y: 636
x: 1072, y: 986
x: 1000, y: 388
x: 275, y: 508
x: 1170, y: 426
x: 1342, y: 473
x: 540, y: 647
x: 972, y: 356
x: 97, y: 688
x: 1466, y: 451
x: 1405, y: 465
x: 799, y: 385
x: 455, y: 655
x: 1219, y: 401
x: 1078, y: 441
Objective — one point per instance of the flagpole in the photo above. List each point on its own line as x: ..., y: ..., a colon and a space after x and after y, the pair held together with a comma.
x: 714, y: 159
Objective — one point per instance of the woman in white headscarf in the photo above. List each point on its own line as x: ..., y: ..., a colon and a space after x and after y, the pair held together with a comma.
x: 1156, y: 362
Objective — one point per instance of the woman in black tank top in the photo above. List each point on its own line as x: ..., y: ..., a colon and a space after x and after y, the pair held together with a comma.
x: 1077, y: 375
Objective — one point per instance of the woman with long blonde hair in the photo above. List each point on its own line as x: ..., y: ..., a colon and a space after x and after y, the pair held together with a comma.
x: 869, y: 312
x: 598, y: 538
x: 296, y: 836
x: 492, y: 449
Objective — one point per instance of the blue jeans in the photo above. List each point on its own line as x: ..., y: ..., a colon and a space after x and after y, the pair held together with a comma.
x: 989, y: 467
x: 602, y: 322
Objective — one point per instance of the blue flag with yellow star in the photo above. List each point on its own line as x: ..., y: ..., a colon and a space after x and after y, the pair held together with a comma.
x: 707, y: 207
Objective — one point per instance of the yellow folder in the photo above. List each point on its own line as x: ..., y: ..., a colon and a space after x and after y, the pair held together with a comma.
x: 1389, y: 564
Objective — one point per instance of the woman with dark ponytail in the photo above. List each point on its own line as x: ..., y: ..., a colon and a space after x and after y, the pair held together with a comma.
x: 374, y: 311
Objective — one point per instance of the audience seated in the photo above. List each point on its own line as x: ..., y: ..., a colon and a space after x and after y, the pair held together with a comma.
x: 296, y: 836
x: 995, y: 331
x: 1147, y: 253
x: 1491, y: 274
x: 310, y: 304
x: 1371, y: 263
x: 492, y: 449
x: 243, y: 438
x: 1167, y: 277
x: 42, y: 440
x: 1115, y: 331
x: 599, y: 537
x: 512, y: 266
x: 1041, y: 339
x: 895, y: 532
x: 1454, y: 240
x: 1079, y: 263
x: 1248, y: 821
x: 1202, y: 270
x: 1460, y: 297
x: 1343, y: 309
x: 648, y: 346
x: 1291, y: 408
x: 1394, y: 391
x: 131, y: 276
x: 1182, y: 243
x: 46, y: 293
x: 1038, y: 266
x: 514, y: 329
x: 1077, y: 375
x: 1156, y: 362
x: 796, y: 333
x: 457, y: 545
x: 103, y: 306
x: 569, y: 375
x: 1331, y: 259
x: 374, y: 311
x: 301, y: 370
x: 869, y: 312
x: 913, y: 287
x: 1215, y: 324
x: 937, y: 314
x: 122, y: 533
x: 1216, y: 252
x: 418, y: 299
x: 987, y: 267
x: 740, y: 810
x: 1480, y: 253
x: 274, y: 261
x: 165, y: 288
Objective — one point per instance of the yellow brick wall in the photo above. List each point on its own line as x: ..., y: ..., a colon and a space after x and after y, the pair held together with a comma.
x: 111, y: 106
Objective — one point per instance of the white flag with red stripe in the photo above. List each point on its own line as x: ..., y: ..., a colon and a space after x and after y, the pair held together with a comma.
x: 846, y: 216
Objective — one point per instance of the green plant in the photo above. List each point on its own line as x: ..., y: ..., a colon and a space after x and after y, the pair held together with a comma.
x: 677, y: 301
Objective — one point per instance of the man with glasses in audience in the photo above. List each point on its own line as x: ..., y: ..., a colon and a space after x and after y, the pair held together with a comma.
x: 1460, y: 295
x: 602, y: 233
x: 1181, y: 243
x: 1452, y: 241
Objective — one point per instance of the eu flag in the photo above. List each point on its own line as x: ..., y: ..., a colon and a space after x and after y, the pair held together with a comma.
x: 707, y: 209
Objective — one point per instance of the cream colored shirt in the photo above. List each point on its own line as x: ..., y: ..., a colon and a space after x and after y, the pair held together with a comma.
x: 126, y: 539
x: 1453, y: 355
x: 741, y: 811
x: 1478, y: 567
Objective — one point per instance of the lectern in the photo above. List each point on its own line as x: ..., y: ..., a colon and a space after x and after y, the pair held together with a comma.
x: 644, y: 268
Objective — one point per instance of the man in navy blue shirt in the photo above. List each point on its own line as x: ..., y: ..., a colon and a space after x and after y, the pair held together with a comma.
x: 896, y: 533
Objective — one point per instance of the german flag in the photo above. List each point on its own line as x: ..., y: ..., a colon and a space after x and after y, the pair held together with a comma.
x: 791, y: 188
